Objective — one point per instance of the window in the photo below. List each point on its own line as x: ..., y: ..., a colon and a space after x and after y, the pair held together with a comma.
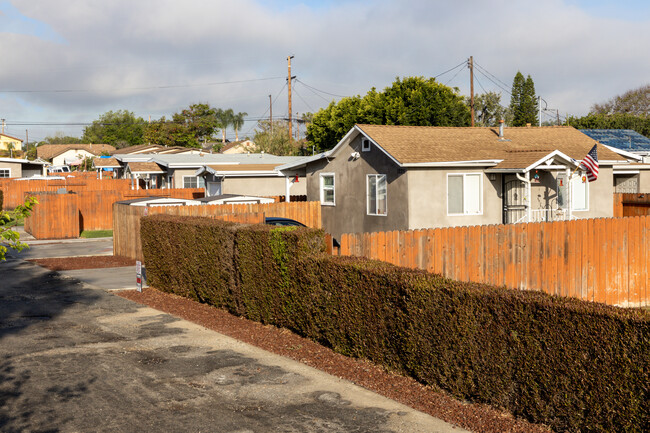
x: 193, y: 182
x: 377, y: 194
x: 365, y: 145
x: 464, y: 194
x: 327, y: 196
x: 5, y: 172
x: 579, y: 191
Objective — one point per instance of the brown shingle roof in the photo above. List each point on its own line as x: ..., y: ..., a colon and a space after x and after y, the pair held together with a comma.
x: 49, y: 151
x: 144, y: 167
x: 422, y: 144
x: 106, y: 162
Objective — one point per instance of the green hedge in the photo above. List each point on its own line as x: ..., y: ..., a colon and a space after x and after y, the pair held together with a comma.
x: 574, y: 365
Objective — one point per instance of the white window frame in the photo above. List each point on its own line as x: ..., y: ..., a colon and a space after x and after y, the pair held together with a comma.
x: 7, y: 170
x: 198, y: 182
x: 480, y: 193
x: 324, y: 187
x: 365, y: 144
x: 374, y: 211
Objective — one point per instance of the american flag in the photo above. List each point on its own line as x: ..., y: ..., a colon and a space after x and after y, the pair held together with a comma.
x: 590, y: 162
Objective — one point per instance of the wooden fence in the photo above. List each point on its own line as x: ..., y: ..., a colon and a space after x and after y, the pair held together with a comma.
x: 126, y: 219
x: 631, y: 205
x: 602, y: 260
x: 15, y: 190
x: 86, y: 210
x: 56, y: 213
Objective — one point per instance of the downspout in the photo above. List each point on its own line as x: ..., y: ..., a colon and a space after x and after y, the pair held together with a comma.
x: 526, y: 180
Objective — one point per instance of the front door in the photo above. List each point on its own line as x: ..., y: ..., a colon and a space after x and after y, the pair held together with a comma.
x: 514, y: 205
x: 214, y: 188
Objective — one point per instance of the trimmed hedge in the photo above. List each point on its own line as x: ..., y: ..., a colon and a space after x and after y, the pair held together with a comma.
x: 574, y: 365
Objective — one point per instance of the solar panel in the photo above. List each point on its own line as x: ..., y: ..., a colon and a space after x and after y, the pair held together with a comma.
x: 624, y: 139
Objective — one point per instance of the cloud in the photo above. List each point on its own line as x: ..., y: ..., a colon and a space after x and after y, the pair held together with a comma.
x: 157, y: 57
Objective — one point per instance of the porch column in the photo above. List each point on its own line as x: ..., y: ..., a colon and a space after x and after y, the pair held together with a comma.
x: 569, y: 194
x: 287, y: 189
x: 529, y: 192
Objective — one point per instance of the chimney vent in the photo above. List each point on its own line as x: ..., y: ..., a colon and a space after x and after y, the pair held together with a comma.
x: 501, y: 122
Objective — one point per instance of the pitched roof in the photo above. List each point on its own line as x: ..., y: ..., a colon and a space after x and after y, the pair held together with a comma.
x: 153, y: 148
x: 144, y: 167
x: 428, y: 144
x: 49, y: 151
x: 106, y: 162
x: 242, y: 167
x: 624, y: 139
x: 9, y: 136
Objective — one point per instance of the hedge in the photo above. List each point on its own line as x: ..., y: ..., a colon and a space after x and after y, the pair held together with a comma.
x: 574, y: 365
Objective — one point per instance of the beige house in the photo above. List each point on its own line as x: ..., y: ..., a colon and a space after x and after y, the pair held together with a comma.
x: 381, y: 178
x: 16, y: 168
x: 245, y: 146
x: 64, y: 154
x: 6, y: 141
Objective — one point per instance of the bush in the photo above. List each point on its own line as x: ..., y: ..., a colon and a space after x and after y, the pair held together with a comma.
x: 574, y: 365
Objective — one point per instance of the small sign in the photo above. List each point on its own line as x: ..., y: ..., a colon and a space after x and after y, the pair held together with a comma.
x: 138, y: 275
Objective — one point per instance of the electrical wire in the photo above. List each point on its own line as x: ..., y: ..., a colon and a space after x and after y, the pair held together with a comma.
x: 303, y: 99
x: 173, y: 86
x: 321, y: 91
x: 452, y: 78
x: 449, y: 70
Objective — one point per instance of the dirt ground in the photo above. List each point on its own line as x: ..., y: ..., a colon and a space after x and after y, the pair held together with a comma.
x: 474, y: 417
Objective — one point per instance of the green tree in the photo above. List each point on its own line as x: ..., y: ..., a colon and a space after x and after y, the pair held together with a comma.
x: 274, y: 138
x: 408, y: 101
x: 118, y: 128
x: 640, y: 124
x: 224, y: 120
x: 60, y: 138
x: 9, y: 237
x: 198, y: 122
x: 635, y: 102
x: 238, y: 123
x: 488, y: 109
x: 523, y: 103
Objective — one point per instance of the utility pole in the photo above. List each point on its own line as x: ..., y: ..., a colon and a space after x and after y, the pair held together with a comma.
x: 539, y: 107
x: 289, y: 85
x: 557, y: 112
x: 3, y: 126
x: 26, y: 140
x: 471, y: 86
x: 271, y: 114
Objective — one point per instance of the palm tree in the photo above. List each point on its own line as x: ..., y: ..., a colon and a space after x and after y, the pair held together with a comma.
x: 237, y: 123
x: 225, y: 119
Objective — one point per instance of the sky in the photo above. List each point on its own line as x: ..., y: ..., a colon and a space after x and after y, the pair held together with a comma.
x: 63, y: 63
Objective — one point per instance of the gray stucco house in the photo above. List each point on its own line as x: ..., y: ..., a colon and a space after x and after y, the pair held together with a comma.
x: 381, y: 178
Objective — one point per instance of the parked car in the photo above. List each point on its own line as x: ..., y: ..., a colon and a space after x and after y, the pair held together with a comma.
x: 278, y: 221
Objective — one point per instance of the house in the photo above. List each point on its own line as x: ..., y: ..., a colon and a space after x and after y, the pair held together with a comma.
x: 8, y: 143
x: 155, y: 149
x: 382, y: 178
x: 144, y: 175
x: 244, y: 146
x: 235, y: 199
x: 21, y: 168
x: 66, y: 154
x: 250, y: 174
x: 108, y: 165
x: 632, y: 145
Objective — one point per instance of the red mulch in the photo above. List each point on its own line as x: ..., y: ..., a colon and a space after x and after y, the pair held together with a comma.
x: 475, y: 417
x: 89, y: 262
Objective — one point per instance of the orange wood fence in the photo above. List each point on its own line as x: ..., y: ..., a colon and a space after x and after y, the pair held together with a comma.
x: 631, y: 205
x: 602, y: 260
x: 86, y: 210
x: 15, y: 190
x: 126, y: 219
x: 54, y: 213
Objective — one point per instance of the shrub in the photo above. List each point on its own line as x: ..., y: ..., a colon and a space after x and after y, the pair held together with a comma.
x: 574, y: 365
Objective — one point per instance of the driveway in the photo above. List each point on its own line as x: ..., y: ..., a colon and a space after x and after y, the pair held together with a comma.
x: 75, y: 358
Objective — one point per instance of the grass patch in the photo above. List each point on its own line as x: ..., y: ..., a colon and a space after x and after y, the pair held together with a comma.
x: 87, y: 234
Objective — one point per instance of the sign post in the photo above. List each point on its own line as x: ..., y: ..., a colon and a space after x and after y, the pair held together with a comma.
x: 138, y: 275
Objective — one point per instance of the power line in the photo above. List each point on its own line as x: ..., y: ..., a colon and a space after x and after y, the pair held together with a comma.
x: 173, y: 86
x: 303, y: 99
x: 321, y: 91
x: 449, y: 70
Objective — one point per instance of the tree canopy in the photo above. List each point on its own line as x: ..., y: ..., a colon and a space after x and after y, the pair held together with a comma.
x: 273, y: 138
x: 640, y: 124
x: 523, y: 103
x: 408, y: 101
x: 635, y: 102
x: 188, y: 128
x: 118, y: 128
x: 488, y: 109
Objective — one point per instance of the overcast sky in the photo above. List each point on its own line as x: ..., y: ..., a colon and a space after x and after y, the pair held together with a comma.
x: 65, y: 62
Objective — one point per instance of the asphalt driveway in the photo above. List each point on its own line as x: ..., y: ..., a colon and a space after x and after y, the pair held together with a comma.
x: 75, y: 358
